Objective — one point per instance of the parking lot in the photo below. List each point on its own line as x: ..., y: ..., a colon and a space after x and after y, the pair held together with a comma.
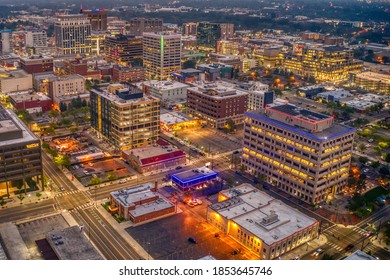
x: 37, y: 229
x: 168, y: 238
x: 216, y: 140
x: 86, y: 171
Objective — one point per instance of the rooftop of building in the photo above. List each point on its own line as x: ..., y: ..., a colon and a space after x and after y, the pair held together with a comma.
x: 294, y: 111
x: 360, y: 104
x: 67, y: 77
x: 13, y: 74
x: 262, y: 215
x: 125, y: 95
x: 359, y: 256
x: 217, y: 90
x: 373, y: 76
x: 194, y: 174
x: 377, y: 98
x: 160, y: 34
x: 214, y: 66
x: 128, y: 196
x: 164, y: 85
x: 311, y: 87
x: 74, y: 245
x: 36, y: 57
x: 156, y: 153
x: 333, y: 131
x: 11, y: 124
x: 23, y: 96
x: 159, y: 204
x: 337, y: 94
x: 174, y: 117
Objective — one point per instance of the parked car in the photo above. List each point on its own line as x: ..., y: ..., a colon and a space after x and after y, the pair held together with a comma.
x: 236, y: 251
x: 122, y: 181
x: 62, y: 188
x: 192, y: 240
x: 318, y: 252
x: 178, y: 167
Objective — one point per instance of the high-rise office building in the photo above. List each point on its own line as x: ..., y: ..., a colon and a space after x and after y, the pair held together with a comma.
x: 36, y: 39
x: 137, y: 26
x: 162, y: 54
x: 189, y: 28
x: 301, y: 152
x: 6, y: 41
x: 216, y: 104
x: 123, y: 49
x: 208, y: 33
x: 36, y: 64
x: 125, y: 117
x: 20, y: 153
x: 73, y: 34
x: 98, y: 19
x: 324, y: 63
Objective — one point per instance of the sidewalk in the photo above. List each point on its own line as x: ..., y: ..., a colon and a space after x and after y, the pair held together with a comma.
x: 29, y: 198
x: 120, y: 228
x: 305, y: 248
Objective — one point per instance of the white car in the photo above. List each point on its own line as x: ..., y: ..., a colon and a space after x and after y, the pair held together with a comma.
x: 318, y: 252
x: 122, y: 181
x: 198, y: 201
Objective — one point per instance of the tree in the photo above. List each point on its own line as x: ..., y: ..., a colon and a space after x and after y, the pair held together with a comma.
x: 63, y: 107
x: 21, y: 197
x: 375, y: 164
x: 387, y: 157
x: 95, y: 181
x: 24, y: 115
x: 53, y: 114
x: 62, y: 160
x: 363, y: 160
x: 110, y: 176
x: 278, y: 92
x: 190, y: 63
x: 230, y: 125
x: 229, y: 182
x: 384, y: 171
x: 38, y: 195
x: 2, y: 201
x: 352, y: 181
x: 362, y: 147
x: 74, y: 129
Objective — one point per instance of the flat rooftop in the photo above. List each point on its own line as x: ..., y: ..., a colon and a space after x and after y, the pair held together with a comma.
x: 359, y: 256
x: 164, y: 85
x: 13, y: 130
x: 16, y: 74
x: 331, y: 132
x: 153, y: 154
x: 174, y: 118
x: 120, y: 101
x: 75, y: 245
x: 195, y: 174
x: 28, y: 96
x: 375, y: 77
x: 264, y: 216
x: 217, y: 90
x: 160, y: 204
x: 338, y: 94
x: 128, y: 196
x: 292, y: 110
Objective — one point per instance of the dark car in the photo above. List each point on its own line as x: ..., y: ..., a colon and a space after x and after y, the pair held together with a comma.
x: 236, y: 152
x: 349, y: 247
x: 236, y: 252
x: 178, y: 167
x: 192, y: 240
